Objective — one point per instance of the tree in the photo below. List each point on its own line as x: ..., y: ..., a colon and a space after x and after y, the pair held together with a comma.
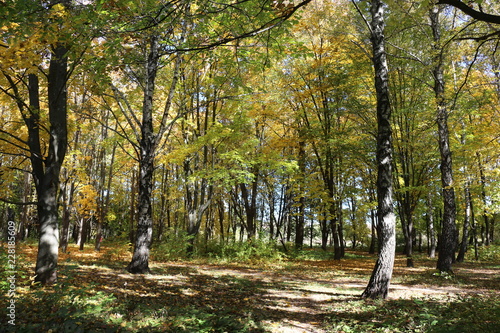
x: 46, y: 167
x: 411, y: 116
x: 181, y: 21
x: 47, y: 177
x: 378, y: 286
x: 325, y: 89
x: 479, y: 15
x: 148, y: 142
x: 447, y: 241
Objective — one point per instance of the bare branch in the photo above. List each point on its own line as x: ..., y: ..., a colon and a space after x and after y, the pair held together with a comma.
x: 476, y: 14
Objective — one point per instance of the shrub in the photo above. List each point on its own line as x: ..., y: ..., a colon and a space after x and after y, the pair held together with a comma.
x: 174, y: 246
x: 247, y: 251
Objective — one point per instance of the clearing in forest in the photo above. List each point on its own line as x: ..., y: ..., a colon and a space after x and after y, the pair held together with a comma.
x: 310, y: 293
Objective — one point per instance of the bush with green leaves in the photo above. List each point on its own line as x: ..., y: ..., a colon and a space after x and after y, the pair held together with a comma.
x: 173, y: 246
x: 247, y: 251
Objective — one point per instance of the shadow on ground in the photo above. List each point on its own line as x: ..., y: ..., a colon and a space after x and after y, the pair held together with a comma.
x: 96, y: 294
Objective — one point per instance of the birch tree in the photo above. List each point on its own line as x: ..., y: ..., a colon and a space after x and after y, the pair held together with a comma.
x: 378, y: 286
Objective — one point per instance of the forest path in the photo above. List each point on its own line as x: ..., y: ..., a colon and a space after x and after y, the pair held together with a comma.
x: 299, y: 297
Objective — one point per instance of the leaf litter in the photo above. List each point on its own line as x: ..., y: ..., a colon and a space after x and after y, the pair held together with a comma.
x: 94, y: 294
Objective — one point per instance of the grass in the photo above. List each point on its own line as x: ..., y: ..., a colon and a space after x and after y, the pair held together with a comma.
x: 307, y: 292
x: 442, y: 314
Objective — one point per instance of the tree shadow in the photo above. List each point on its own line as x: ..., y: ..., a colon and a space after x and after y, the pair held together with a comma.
x: 467, y: 314
x: 103, y: 297
x: 98, y: 299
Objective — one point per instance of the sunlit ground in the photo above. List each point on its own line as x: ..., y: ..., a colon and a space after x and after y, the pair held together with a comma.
x: 307, y: 294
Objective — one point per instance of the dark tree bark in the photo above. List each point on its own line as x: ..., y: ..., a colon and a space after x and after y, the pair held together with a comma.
x: 47, y: 176
x: 467, y: 216
x: 300, y: 222
x: 250, y: 204
x: 82, y: 238
x: 476, y: 14
x: 447, y: 241
x: 221, y: 217
x: 24, y: 222
x: 133, y: 191
x: 378, y: 286
x: 335, y: 223
x: 487, y: 225
x: 431, y: 230
x: 144, y: 232
x: 324, y: 226
x: 148, y: 142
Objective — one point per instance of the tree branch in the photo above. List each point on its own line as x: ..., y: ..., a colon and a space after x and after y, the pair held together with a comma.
x: 476, y: 14
x: 18, y: 202
x: 256, y: 31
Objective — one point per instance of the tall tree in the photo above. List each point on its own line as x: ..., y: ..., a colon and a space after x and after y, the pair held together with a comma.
x: 47, y: 181
x: 177, y: 20
x: 46, y: 162
x: 447, y: 241
x: 378, y: 286
x: 148, y: 142
x: 323, y: 87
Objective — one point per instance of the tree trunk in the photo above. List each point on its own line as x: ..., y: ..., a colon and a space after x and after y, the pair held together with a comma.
x: 465, y: 232
x: 105, y: 203
x: 378, y: 286
x: 340, y: 231
x: 164, y: 203
x: 300, y: 222
x: 133, y: 186
x: 486, y: 218
x: 373, y: 218
x: 432, y: 231
x: 66, y: 217
x: 24, y: 218
x: 373, y: 239
x: 221, y: 217
x: 409, y: 241
x: 272, y: 217
x: 195, y: 213
x: 324, y: 231
x: 337, y: 254
x: 48, y: 181
x: 68, y: 190
x: 250, y: 204
x: 83, y: 232
x: 311, y: 233
x: 144, y: 232
x: 447, y: 241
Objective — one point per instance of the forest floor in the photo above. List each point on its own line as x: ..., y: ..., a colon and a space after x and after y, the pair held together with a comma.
x: 310, y: 293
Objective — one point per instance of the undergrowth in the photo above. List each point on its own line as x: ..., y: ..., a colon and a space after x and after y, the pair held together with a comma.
x: 472, y: 313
